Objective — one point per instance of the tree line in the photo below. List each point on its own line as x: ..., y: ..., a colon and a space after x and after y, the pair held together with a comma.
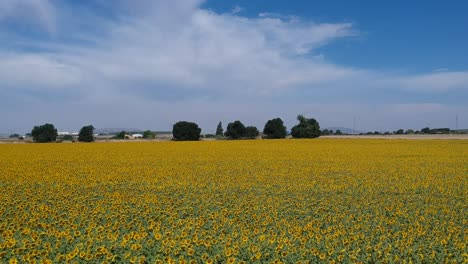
x: 185, y: 130
x: 273, y: 129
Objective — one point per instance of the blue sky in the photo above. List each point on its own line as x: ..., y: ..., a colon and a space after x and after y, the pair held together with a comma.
x: 148, y: 64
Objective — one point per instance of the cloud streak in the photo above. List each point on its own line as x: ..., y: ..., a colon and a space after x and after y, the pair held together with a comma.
x: 174, y: 52
x: 31, y: 12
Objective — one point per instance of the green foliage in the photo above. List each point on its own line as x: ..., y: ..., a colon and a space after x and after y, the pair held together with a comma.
x: 426, y: 130
x: 219, y: 130
x: 307, y: 128
x: 338, y: 132
x: 409, y: 132
x: 120, y: 135
x: 251, y: 132
x: 86, y: 134
x: 236, y: 130
x: 45, y: 133
x: 400, y: 132
x: 326, y: 132
x: 440, y: 131
x: 185, y: 131
x: 15, y: 136
x: 67, y: 138
x: 274, y: 129
x: 149, y: 134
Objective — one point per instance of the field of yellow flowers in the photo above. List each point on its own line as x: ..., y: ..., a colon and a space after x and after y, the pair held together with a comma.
x: 277, y: 201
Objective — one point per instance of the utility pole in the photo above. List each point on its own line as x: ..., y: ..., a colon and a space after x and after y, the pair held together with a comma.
x: 456, y: 121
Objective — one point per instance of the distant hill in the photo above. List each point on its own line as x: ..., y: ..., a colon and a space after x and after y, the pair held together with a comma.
x: 345, y: 130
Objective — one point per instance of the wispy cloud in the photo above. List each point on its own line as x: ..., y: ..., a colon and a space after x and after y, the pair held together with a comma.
x: 236, y: 9
x: 33, y: 12
x: 155, y: 53
x: 208, y: 51
x: 441, y: 81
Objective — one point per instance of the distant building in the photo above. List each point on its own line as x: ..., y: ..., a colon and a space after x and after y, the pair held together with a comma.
x: 136, y: 136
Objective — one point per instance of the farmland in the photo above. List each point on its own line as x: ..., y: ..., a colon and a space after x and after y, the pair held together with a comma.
x: 278, y: 201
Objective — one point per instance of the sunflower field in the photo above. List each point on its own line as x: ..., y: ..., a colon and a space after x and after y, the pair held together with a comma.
x: 252, y: 201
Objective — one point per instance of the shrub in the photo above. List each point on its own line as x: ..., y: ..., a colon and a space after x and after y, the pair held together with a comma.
x: 149, y: 134
x: 67, y: 138
x: 120, y: 135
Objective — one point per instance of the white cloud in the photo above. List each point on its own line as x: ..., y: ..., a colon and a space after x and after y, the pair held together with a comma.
x: 237, y: 9
x: 38, y: 73
x: 154, y: 50
x: 208, y: 51
x: 34, y: 12
x: 441, y: 81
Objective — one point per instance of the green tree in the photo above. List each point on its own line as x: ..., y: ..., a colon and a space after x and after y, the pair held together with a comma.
x: 274, y: 129
x: 409, y: 132
x: 219, y: 130
x: 120, y: 135
x: 15, y: 136
x: 307, y: 128
x: 426, y: 130
x: 149, y: 134
x: 338, y: 132
x: 400, y: 132
x: 236, y: 130
x: 184, y: 131
x: 325, y: 132
x: 45, y: 133
x: 86, y: 134
x: 251, y: 132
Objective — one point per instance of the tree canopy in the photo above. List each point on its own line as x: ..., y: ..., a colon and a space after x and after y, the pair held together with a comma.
x: 219, y: 130
x: 251, y: 132
x: 236, y: 130
x: 120, y: 135
x: 400, y: 132
x: 45, y: 133
x: 307, y: 128
x: 184, y: 131
x: 86, y: 134
x: 148, y: 134
x: 274, y: 129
